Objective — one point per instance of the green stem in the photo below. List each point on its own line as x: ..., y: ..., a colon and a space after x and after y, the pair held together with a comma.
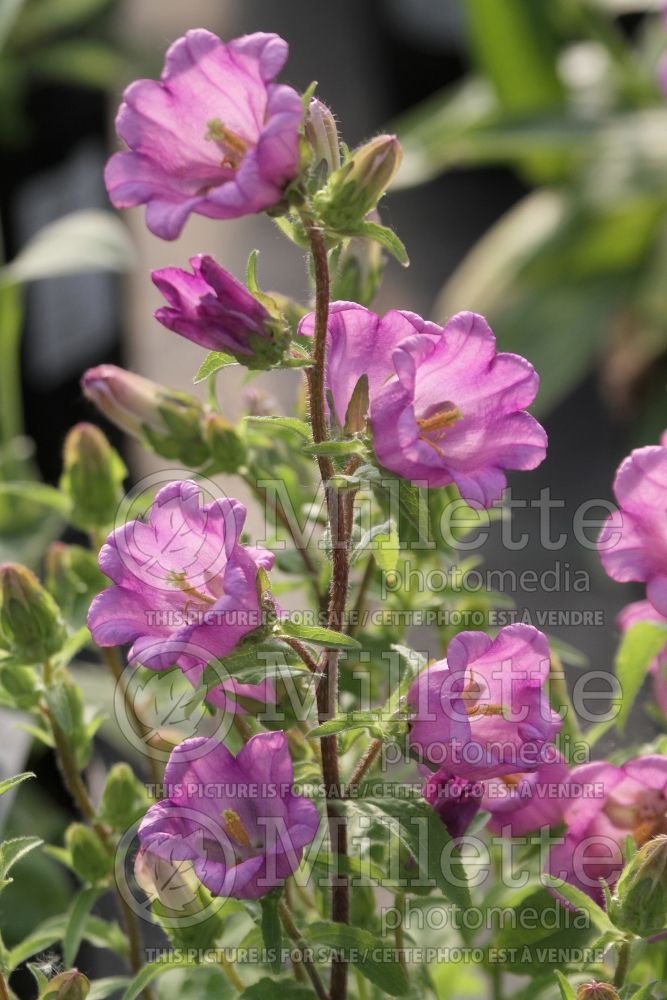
x: 11, y: 405
x: 623, y: 962
x: 294, y: 933
x: 327, y: 689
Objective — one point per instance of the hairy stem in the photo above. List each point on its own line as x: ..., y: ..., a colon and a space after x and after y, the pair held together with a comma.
x: 623, y: 963
x: 111, y: 657
x: 327, y: 690
x: 364, y: 763
x: 293, y: 932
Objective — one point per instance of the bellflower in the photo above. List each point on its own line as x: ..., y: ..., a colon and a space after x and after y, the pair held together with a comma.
x: 184, y: 587
x: 237, y: 819
x: 633, y: 541
x: 643, y: 611
x: 483, y: 712
x: 215, y: 135
x: 522, y: 803
x: 445, y: 407
x: 603, y: 806
x: 210, y: 307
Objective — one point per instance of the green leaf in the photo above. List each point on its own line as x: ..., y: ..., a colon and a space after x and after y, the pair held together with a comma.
x: 212, y: 363
x: 387, y: 238
x: 582, y: 902
x: 16, y: 779
x: 317, y: 635
x: 9, y: 12
x: 639, y: 647
x: 365, y: 951
x: 13, y: 850
x: 351, y: 720
x: 81, y: 61
x: 74, y: 644
x: 150, y: 972
x: 251, y: 273
x: 76, y: 921
x: 88, y: 240
x: 515, y: 45
x: 566, y: 991
x: 337, y: 449
x: 290, y: 423
x: 51, y: 16
x: 347, y: 864
x: 47, y: 496
x: 100, y: 989
x: 383, y: 543
x: 271, y: 928
x: 423, y: 833
x: 267, y: 989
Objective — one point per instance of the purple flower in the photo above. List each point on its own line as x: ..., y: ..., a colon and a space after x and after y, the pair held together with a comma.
x: 215, y: 136
x: 236, y: 818
x: 483, y: 712
x: 455, y: 800
x: 603, y: 806
x: 643, y: 611
x: 184, y: 588
x: 445, y: 407
x: 522, y: 803
x: 210, y: 307
x: 633, y: 541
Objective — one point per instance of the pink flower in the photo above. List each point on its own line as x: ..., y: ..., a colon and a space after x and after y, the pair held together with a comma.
x: 215, y: 136
x: 445, y: 407
x: 210, y: 307
x: 603, y: 806
x: 237, y: 819
x: 522, y: 803
x: 483, y: 712
x: 633, y: 541
x: 643, y: 611
x: 184, y: 588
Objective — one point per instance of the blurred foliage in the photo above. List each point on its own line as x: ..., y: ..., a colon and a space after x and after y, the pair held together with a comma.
x: 566, y: 94
x: 54, y: 41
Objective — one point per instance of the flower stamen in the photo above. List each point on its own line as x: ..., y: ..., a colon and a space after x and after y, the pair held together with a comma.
x: 235, y: 828
x: 232, y: 145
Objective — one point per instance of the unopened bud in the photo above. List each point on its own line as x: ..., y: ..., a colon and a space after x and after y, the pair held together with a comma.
x: 596, y: 991
x: 93, y: 474
x: 90, y: 858
x: 165, y: 420
x: 639, y: 903
x: 355, y: 189
x: 21, y: 684
x: 70, y: 985
x: 31, y: 626
x: 226, y: 448
x: 124, y: 798
x: 173, y: 884
x: 322, y: 136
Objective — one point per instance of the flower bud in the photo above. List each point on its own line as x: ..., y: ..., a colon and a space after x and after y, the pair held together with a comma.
x: 90, y: 858
x: 164, y: 420
x: 124, y: 798
x: 355, y: 189
x: 639, y: 903
x: 226, y: 447
x: 70, y: 985
x: 31, y: 626
x: 322, y: 136
x: 172, y: 883
x: 21, y: 684
x: 73, y: 578
x: 596, y: 991
x: 93, y: 474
